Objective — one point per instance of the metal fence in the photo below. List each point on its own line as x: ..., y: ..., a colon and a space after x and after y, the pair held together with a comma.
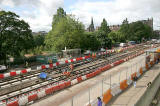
x: 112, y: 77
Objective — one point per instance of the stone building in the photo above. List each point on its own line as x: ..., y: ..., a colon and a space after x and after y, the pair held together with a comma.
x: 114, y: 27
x: 149, y: 22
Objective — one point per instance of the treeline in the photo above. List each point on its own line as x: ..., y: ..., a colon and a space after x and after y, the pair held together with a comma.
x: 16, y: 38
x: 68, y: 32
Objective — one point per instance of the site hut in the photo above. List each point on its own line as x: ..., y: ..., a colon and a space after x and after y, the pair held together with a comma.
x: 71, y: 53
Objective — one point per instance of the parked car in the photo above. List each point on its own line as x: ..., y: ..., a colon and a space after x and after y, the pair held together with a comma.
x: 2, y: 68
x: 131, y: 43
x: 123, y: 45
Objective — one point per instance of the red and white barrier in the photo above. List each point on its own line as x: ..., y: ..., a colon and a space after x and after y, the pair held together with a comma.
x: 31, y: 96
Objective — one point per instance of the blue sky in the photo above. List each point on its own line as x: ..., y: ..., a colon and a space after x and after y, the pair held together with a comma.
x: 39, y: 13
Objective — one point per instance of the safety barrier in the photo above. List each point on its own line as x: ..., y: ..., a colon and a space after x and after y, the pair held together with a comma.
x: 24, y: 71
x: 34, y: 95
x: 107, y: 96
x: 124, y: 84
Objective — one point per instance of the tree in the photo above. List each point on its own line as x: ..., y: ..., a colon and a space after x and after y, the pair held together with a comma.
x: 58, y: 16
x: 124, y: 29
x: 102, y: 34
x: 90, y: 41
x: 39, y: 40
x: 68, y: 32
x: 104, y: 27
x: 91, y: 26
x: 15, y: 35
x: 139, y: 31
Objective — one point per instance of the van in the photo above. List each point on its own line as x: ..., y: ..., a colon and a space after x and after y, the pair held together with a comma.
x: 123, y: 45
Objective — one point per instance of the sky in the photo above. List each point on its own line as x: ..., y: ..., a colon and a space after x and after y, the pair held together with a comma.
x: 39, y: 13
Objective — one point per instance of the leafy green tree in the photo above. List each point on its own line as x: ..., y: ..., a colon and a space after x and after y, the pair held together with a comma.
x: 39, y: 40
x: 58, y: 16
x: 15, y: 35
x: 104, y: 27
x: 139, y: 31
x: 124, y: 30
x: 91, y: 26
x: 102, y: 34
x: 68, y: 32
x: 90, y: 41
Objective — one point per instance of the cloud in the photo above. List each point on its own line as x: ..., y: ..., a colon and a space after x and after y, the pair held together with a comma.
x: 115, y: 11
x: 38, y: 13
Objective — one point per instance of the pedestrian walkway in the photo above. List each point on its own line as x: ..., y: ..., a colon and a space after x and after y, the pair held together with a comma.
x: 132, y: 94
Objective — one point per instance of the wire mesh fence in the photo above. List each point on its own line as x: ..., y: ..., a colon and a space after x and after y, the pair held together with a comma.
x: 89, y: 96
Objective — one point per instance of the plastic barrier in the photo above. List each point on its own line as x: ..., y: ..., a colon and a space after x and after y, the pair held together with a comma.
x: 56, y: 88
x: 68, y: 83
x: 107, y: 96
x: 66, y: 61
x: 23, y: 100
x: 84, y: 77
x: 57, y: 63
x: 41, y: 93
x: 48, y: 91
x: 62, y: 85
x: 24, y: 71
x: 73, y: 82
x: 43, y: 67
x: 141, y: 71
x: 13, y: 74
x: 107, y: 67
x: 14, y: 103
x: 50, y: 65
x: 123, y: 85
x: 79, y: 79
x: 1, y: 76
x: 32, y: 97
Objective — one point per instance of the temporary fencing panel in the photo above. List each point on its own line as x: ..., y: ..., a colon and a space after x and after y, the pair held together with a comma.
x: 115, y: 89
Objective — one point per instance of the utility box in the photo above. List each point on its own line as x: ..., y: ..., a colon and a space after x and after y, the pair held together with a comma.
x: 46, y: 59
